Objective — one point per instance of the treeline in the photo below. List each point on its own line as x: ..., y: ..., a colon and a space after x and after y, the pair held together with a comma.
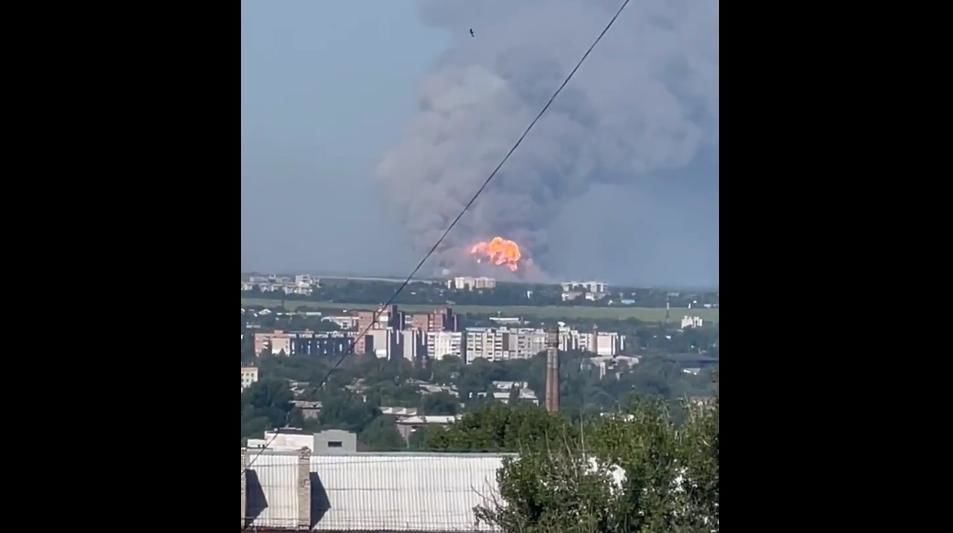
x: 505, y: 293
x: 354, y: 393
x: 636, y: 470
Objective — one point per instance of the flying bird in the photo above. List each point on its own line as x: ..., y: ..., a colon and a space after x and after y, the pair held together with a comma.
x: 471, y: 33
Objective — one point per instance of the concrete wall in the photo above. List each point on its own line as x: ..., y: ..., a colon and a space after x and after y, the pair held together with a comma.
x: 323, y: 442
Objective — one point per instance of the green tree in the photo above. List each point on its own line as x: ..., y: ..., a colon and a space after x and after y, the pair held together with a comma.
x: 633, y: 472
x: 347, y: 411
x: 381, y: 435
x: 265, y: 405
x: 440, y: 403
x: 499, y: 427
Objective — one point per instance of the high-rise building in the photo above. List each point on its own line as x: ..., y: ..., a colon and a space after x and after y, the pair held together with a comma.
x: 441, y: 319
x: 500, y: 344
x: 440, y: 344
x: 413, y: 344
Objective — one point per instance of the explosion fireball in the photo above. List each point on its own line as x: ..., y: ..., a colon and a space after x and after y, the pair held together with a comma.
x: 499, y: 251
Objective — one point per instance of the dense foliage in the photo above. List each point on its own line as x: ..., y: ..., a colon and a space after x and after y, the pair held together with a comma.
x: 636, y: 471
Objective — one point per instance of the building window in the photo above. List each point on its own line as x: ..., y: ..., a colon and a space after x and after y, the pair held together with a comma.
x: 335, y: 444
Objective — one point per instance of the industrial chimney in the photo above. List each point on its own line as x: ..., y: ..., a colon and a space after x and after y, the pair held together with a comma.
x: 552, y: 371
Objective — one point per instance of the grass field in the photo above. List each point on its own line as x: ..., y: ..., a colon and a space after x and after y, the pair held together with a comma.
x: 645, y: 314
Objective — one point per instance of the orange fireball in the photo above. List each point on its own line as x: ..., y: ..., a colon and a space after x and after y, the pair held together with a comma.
x: 499, y: 251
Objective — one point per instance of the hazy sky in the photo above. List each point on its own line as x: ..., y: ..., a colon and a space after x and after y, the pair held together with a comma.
x: 329, y: 87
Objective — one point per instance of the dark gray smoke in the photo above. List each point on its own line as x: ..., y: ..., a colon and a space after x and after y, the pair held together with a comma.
x: 642, y: 106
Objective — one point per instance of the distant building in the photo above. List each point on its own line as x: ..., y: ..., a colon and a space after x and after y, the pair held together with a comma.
x: 399, y: 411
x: 602, y: 343
x: 272, y: 343
x: 522, y: 395
x: 508, y: 385
x: 287, y: 439
x: 249, y: 376
x: 383, y: 343
x: 440, y: 344
x: 328, y: 442
x: 692, y: 322
x: 500, y: 344
x: 407, y: 426
x: 441, y: 319
x: 597, y: 287
x: 309, y: 410
x: 334, y: 441
x: 413, y: 344
x: 607, y: 364
x: 465, y: 283
x: 306, y: 342
x: 345, y: 322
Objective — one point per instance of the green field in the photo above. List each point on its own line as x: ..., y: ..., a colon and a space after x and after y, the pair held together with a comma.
x: 645, y: 314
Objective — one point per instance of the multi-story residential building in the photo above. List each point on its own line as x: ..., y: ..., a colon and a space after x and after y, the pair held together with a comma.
x: 440, y: 344
x: 302, y: 343
x: 466, y: 283
x: 412, y: 344
x: 497, y: 344
x: 441, y: 319
x: 590, y: 290
x: 485, y: 343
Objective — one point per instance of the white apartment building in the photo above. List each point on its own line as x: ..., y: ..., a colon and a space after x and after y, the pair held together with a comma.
x: 382, y: 339
x: 412, y: 344
x: 601, y: 343
x: 249, y: 376
x: 466, y: 283
x: 691, y: 322
x: 525, y: 343
x: 500, y: 344
x: 486, y: 343
x: 443, y: 343
x: 597, y: 287
x: 272, y: 343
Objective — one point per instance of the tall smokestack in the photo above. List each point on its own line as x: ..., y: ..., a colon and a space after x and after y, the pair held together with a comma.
x: 552, y: 372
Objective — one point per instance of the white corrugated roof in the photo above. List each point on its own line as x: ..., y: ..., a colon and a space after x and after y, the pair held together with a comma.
x: 376, y: 491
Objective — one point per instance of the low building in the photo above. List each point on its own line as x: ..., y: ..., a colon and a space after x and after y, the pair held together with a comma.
x: 692, y: 322
x: 249, y: 376
x: 466, y: 283
x: 330, y: 441
x: 407, y: 426
x: 334, y: 441
x: 411, y: 492
x: 609, y: 364
x: 399, y: 411
x: 508, y: 385
x: 285, y: 439
x: 590, y: 290
x: 309, y: 410
x: 522, y: 395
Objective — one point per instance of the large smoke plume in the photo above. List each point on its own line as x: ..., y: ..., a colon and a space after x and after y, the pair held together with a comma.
x: 644, y: 103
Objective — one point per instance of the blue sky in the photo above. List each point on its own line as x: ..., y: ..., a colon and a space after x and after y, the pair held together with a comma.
x: 326, y: 88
